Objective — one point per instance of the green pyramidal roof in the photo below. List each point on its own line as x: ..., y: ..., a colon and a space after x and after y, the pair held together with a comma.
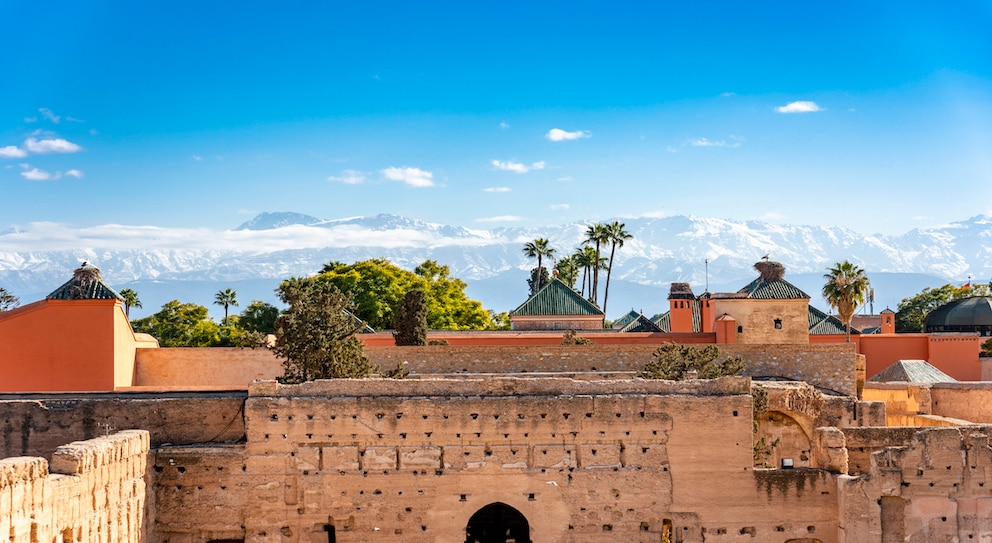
x: 86, y: 284
x: 556, y: 298
x: 772, y: 289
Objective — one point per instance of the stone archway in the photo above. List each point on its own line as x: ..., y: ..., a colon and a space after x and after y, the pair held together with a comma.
x: 497, y: 523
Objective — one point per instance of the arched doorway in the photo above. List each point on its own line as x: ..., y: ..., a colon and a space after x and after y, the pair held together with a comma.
x: 497, y: 523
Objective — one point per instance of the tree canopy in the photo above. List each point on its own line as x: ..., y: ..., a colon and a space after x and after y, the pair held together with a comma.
x: 912, y: 311
x: 315, y: 335
x: 226, y: 298
x: 411, y: 319
x: 259, y: 317
x: 377, y: 288
x: 181, y: 324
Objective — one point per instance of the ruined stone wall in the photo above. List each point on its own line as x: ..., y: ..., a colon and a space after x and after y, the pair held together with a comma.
x: 92, y: 492
x: 37, y: 426
x: 379, y: 460
x: 930, y: 404
x: 829, y: 366
x: 930, y: 485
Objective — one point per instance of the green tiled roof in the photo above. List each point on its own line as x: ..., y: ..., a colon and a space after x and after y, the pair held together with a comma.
x: 641, y: 324
x: 912, y: 371
x: 773, y: 289
x: 626, y: 319
x: 556, y: 298
x: 822, y: 323
x: 86, y: 284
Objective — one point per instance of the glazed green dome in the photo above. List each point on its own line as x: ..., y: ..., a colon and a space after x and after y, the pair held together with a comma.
x: 972, y: 314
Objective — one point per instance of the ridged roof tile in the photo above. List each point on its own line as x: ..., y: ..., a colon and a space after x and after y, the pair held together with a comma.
x: 772, y: 289
x: 556, y: 298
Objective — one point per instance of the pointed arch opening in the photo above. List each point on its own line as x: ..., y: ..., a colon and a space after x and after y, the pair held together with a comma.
x: 497, y: 523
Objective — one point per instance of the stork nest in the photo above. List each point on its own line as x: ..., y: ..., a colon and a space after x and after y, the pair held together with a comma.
x: 769, y: 270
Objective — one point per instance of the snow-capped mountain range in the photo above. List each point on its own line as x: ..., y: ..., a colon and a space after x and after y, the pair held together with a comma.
x: 164, y: 264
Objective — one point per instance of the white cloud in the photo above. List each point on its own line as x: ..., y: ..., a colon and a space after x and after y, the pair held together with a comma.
x: 728, y: 94
x: 198, y: 158
x: 74, y: 173
x: 557, y: 134
x: 54, y: 145
x: 74, y: 120
x: 415, y: 177
x: 50, y: 115
x: 802, y: 106
x: 349, y: 177
x: 516, y: 167
x: 654, y: 215
x: 559, y: 207
x: 34, y: 174
x: 504, y: 125
x: 497, y: 189
x: 705, y: 142
x: 12, y: 151
x: 566, y: 178
x: 54, y: 236
x: 30, y: 119
x: 500, y: 218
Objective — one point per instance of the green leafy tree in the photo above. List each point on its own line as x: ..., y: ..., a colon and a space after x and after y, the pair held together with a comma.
x: 377, y: 287
x: 539, y: 248
x: 259, y: 317
x: 846, y: 288
x: 131, y: 299
x: 912, y: 311
x: 499, y: 321
x: 8, y: 300
x: 596, y: 235
x: 673, y: 362
x: 538, y: 278
x: 616, y: 236
x: 181, y: 325
x: 411, y: 319
x: 315, y: 335
x: 226, y: 298
x: 448, y: 307
x: 585, y: 258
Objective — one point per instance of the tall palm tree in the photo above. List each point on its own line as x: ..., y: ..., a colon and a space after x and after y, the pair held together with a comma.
x: 568, y: 270
x: 226, y: 297
x: 131, y: 299
x: 846, y: 288
x: 616, y: 236
x: 596, y: 234
x: 538, y: 248
x: 7, y: 300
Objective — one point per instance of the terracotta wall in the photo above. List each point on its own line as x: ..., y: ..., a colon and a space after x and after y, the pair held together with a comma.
x: 91, y: 492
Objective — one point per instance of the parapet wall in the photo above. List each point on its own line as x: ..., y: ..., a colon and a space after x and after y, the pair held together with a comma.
x: 92, y: 492
x: 931, y: 404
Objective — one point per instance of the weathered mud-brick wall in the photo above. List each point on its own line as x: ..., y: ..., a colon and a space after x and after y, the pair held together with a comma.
x: 92, y: 492
x: 415, y: 460
x: 832, y: 366
x: 935, y: 487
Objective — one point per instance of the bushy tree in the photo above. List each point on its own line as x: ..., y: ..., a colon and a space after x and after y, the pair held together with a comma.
x: 8, y: 300
x: 673, y: 361
x: 377, y: 288
x: 181, y: 324
x: 315, y: 335
x: 259, y: 317
x: 912, y: 311
x: 411, y: 319
x: 538, y: 278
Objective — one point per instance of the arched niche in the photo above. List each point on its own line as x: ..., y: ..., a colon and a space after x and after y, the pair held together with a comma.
x: 497, y: 523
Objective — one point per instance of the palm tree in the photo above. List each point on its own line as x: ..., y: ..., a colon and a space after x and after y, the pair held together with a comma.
x: 539, y: 248
x: 846, y: 288
x: 131, y: 299
x: 616, y: 236
x: 226, y: 297
x: 596, y: 234
x: 585, y: 258
x: 568, y: 270
x: 7, y: 300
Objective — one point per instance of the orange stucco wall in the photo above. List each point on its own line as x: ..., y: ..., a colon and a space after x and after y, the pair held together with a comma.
x: 66, y: 345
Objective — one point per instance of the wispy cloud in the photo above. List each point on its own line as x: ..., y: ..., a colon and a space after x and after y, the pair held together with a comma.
x: 565, y: 178
x: 198, y: 158
x: 559, y: 207
x: 500, y: 218
x: 706, y: 142
x: 802, y: 106
x: 78, y: 174
x: 504, y: 125
x: 12, y: 151
x: 727, y: 94
x: 557, y: 134
x: 496, y: 189
x: 349, y: 177
x: 517, y: 167
x: 34, y: 174
x: 414, y: 177
x: 654, y: 215
x: 53, y: 145
x: 50, y: 115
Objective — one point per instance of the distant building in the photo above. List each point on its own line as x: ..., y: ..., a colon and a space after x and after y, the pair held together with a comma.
x: 557, y: 307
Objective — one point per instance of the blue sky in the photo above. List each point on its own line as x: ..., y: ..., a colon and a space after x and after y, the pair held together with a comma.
x: 874, y: 115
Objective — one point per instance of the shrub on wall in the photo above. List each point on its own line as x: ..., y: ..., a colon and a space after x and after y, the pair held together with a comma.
x: 411, y: 319
x: 674, y: 362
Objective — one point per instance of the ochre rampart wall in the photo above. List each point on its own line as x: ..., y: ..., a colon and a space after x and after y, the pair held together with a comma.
x: 92, y: 492
x: 940, y: 403
x: 827, y: 366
